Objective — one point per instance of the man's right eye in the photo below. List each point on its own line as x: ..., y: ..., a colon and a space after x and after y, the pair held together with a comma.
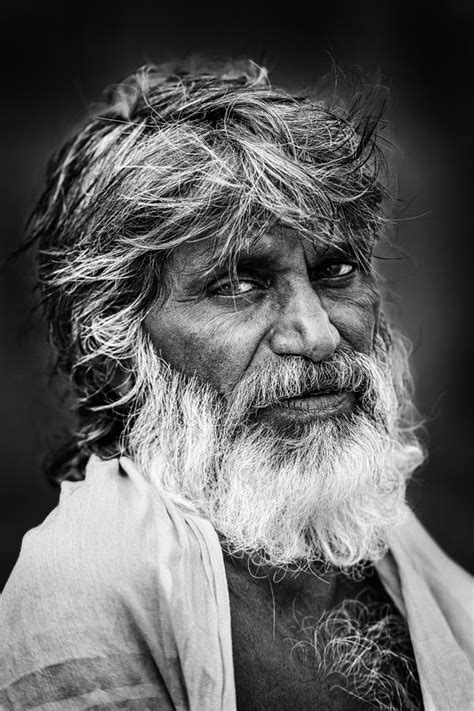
x: 233, y: 288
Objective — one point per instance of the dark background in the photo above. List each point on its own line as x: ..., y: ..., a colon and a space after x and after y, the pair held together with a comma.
x: 58, y: 58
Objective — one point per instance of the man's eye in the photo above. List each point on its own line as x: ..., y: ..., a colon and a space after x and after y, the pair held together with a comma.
x: 337, y: 270
x: 233, y: 288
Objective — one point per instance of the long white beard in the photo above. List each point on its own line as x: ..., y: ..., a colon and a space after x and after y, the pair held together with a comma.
x: 331, y: 491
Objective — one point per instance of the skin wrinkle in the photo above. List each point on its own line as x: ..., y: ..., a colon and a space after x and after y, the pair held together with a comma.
x: 211, y: 338
x: 294, y: 519
x: 206, y: 337
x: 280, y: 648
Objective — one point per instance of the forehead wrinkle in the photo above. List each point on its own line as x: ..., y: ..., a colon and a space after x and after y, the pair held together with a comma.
x: 191, y: 259
x: 201, y: 259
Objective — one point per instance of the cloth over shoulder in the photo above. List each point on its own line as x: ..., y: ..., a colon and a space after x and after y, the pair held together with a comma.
x: 119, y: 600
x: 437, y: 598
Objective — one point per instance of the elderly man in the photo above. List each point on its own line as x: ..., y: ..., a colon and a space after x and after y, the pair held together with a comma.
x: 232, y: 529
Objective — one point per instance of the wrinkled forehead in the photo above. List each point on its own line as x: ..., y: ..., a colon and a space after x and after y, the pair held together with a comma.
x: 204, y: 256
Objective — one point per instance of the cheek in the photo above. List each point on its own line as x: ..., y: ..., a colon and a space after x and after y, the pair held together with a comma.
x: 218, y: 351
x: 356, y: 317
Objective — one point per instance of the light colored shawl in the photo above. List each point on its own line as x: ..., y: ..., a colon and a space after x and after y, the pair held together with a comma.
x: 120, y: 599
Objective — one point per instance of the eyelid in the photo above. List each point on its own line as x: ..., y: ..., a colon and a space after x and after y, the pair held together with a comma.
x: 319, y: 271
x: 213, y: 288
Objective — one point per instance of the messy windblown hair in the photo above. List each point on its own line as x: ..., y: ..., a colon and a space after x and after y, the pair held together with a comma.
x: 175, y: 157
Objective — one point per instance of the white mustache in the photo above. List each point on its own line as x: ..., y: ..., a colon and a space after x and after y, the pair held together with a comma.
x: 294, y: 376
x: 330, y: 492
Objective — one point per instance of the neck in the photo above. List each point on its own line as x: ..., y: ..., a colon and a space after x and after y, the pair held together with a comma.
x: 318, y: 588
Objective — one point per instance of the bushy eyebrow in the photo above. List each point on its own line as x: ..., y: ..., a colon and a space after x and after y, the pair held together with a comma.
x: 212, y: 264
x: 258, y: 262
x: 199, y: 277
x: 215, y: 261
x: 263, y: 257
x: 359, y: 250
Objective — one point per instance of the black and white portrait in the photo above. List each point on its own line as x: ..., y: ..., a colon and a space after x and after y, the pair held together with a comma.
x: 236, y: 387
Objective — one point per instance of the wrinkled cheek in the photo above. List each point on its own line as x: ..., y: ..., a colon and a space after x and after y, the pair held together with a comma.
x: 211, y: 360
x: 357, y: 322
x: 208, y: 360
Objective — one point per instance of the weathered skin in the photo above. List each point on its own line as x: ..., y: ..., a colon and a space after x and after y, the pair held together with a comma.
x: 287, y: 303
x: 292, y: 298
x: 267, y: 619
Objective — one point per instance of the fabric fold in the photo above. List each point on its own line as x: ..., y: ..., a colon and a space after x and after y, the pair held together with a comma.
x: 121, y: 593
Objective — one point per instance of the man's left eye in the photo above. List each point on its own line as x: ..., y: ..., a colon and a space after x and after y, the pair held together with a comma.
x: 337, y: 270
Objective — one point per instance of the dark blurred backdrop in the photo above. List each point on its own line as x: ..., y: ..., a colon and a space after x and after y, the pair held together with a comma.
x: 57, y: 59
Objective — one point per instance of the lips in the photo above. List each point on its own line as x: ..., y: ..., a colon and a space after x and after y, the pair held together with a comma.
x: 312, y: 405
x: 319, y: 403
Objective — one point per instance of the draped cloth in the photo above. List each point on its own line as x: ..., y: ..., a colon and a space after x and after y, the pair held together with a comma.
x: 119, y: 600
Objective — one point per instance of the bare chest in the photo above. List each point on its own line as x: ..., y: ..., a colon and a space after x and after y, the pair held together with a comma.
x: 273, y: 626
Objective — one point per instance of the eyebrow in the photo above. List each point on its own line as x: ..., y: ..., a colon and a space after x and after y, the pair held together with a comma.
x: 201, y: 274
x: 214, y: 260
x: 263, y: 261
x: 261, y: 257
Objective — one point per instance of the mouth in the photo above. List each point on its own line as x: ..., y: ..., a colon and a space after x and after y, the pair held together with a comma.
x: 311, y: 405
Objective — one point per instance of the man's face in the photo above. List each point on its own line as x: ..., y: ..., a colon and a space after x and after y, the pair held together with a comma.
x: 291, y: 297
x: 306, y: 460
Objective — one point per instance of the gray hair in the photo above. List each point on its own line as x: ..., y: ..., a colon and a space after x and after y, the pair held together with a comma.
x: 174, y: 157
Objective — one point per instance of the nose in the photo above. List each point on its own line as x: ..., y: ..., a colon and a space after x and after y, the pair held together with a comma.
x: 303, y: 327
